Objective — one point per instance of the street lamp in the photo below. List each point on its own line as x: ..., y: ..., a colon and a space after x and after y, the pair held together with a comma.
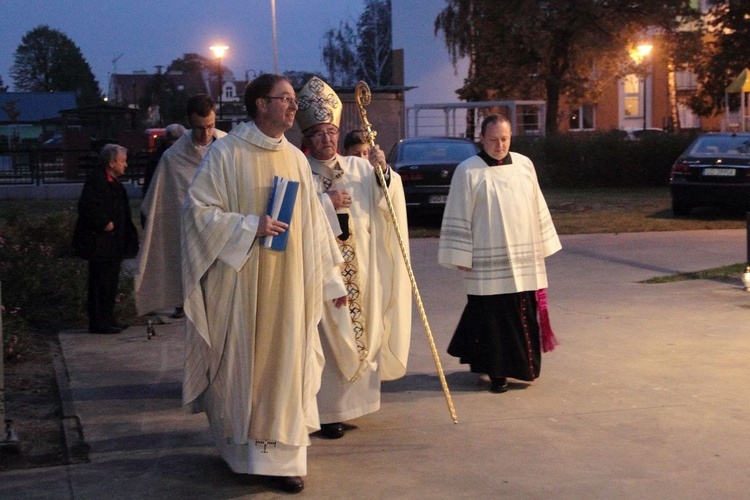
x: 644, y: 50
x: 275, y: 47
x: 219, y: 51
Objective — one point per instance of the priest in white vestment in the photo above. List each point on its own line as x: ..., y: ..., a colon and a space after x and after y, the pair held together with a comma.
x: 497, y: 229
x: 158, y: 280
x: 369, y: 341
x: 253, y: 354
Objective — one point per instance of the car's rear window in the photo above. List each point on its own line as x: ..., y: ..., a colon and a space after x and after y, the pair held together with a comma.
x: 726, y: 145
x: 437, y: 152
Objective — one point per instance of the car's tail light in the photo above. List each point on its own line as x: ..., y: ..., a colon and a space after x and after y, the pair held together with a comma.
x: 680, y: 168
x: 410, y: 175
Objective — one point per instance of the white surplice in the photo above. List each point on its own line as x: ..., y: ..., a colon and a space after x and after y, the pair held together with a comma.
x: 497, y: 223
x: 253, y: 354
x: 375, y: 346
x: 158, y: 280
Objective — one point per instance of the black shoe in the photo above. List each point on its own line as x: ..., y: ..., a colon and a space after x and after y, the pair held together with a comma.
x: 288, y: 484
x: 121, y: 326
x: 499, y: 385
x: 105, y: 331
x: 178, y: 313
x: 332, y: 431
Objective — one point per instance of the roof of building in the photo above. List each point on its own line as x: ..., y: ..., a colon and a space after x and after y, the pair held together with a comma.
x: 31, y: 107
x: 741, y: 83
x: 127, y: 88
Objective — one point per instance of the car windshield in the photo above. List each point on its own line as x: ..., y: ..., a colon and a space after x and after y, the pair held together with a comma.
x: 725, y: 145
x: 437, y: 152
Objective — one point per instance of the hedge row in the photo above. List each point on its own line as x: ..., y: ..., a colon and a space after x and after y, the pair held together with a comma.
x: 602, y: 159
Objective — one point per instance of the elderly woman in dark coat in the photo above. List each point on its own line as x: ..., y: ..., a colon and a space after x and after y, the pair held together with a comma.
x: 105, y: 235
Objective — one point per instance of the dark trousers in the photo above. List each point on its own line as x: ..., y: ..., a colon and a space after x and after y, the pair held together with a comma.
x: 499, y: 335
x: 103, y: 281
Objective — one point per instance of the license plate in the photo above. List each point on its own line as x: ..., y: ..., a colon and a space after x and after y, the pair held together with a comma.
x: 720, y: 172
x: 438, y: 198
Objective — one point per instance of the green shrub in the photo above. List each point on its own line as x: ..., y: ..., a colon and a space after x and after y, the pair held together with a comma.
x: 44, y: 287
x: 42, y: 281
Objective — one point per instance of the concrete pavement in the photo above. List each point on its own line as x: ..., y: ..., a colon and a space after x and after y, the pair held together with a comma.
x: 646, y: 397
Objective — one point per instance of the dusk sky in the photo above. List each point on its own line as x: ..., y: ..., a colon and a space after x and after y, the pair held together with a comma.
x: 148, y: 33
x: 145, y: 33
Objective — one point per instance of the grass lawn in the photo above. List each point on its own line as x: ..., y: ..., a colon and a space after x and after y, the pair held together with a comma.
x: 629, y: 210
x: 586, y: 211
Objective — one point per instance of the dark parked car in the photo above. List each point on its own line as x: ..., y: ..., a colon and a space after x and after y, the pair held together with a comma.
x: 713, y: 171
x: 636, y: 134
x: 426, y: 166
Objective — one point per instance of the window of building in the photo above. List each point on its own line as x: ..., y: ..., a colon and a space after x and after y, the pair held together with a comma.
x: 688, y: 119
x: 582, y: 118
x: 632, y: 90
x: 686, y: 80
x: 530, y: 119
x: 228, y: 92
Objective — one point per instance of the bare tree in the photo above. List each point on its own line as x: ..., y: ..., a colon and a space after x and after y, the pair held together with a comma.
x: 339, y: 55
x: 362, y: 54
x: 375, y: 43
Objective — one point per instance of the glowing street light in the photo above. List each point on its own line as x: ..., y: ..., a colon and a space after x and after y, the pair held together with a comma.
x: 219, y: 51
x: 644, y: 50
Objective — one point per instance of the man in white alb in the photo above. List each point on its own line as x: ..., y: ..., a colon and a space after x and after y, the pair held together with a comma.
x: 497, y: 230
x: 158, y: 281
x: 369, y: 341
x: 253, y: 354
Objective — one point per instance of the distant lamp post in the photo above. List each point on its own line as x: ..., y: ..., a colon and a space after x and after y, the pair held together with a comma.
x: 275, y: 46
x: 644, y: 50
x: 219, y: 51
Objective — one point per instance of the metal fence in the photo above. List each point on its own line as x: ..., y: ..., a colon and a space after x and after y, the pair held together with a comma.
x: 450, y: 119
x: 59, y: 166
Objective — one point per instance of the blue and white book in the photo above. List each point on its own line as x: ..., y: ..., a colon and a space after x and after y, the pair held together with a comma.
x: 281, y: 207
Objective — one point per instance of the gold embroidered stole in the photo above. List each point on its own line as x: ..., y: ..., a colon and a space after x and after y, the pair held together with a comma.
x: 349, y: 272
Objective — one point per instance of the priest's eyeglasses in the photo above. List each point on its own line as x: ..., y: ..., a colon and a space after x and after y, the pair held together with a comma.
x: 320, y: 134
x: 285, y: 99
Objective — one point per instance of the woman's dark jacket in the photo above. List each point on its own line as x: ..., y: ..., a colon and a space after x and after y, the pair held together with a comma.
x: 102, y: 201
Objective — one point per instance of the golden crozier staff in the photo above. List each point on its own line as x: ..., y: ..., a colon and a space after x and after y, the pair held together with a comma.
x: 363, y: 96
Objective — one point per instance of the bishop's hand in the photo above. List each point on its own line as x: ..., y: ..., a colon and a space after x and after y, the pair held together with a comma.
x: 340, y: 198
x: 377, y: 158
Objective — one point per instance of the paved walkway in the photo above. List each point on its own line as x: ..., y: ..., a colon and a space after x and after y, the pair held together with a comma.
x: 646, y: 397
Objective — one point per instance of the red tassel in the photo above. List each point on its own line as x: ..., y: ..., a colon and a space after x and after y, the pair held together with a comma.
x: 549, y: 341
